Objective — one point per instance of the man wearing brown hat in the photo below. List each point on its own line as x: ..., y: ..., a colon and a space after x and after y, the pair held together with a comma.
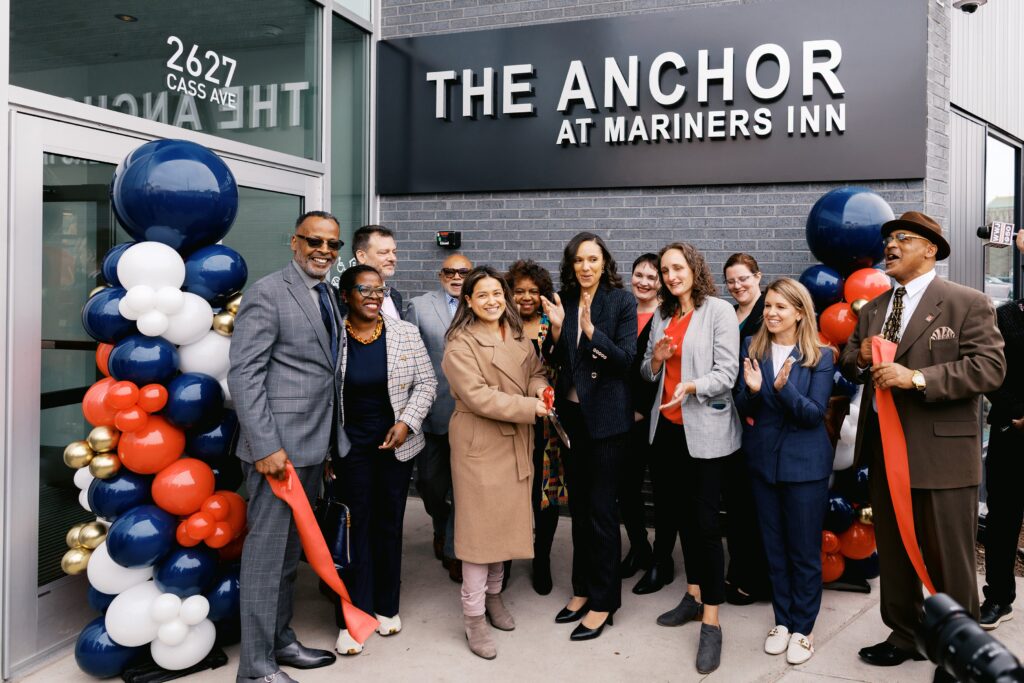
x: 949, y: 352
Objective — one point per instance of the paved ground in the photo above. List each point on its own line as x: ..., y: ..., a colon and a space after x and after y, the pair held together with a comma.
x: 432, y: 645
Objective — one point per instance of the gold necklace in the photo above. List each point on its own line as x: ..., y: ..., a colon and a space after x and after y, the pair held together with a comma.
x: 374, y: 337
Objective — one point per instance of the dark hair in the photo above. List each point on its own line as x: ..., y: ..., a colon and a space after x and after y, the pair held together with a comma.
x: 464, y: 315
x: 528, y: 268
x: 567, y: 273
x: 361, y: 238
x: 741, y: 259
x: 703, y: 284
x: 649, y: 257
x: 317, y: 214
x: 347, y: 282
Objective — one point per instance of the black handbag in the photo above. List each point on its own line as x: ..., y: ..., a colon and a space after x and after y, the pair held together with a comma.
x: 335, y: 521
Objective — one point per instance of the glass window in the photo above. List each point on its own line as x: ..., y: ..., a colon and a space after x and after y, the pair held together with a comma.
x: 349, y: 130
x: 362, y: 8
x: 263, y: 229
x: 1000, y: 205
x: 235, y: 69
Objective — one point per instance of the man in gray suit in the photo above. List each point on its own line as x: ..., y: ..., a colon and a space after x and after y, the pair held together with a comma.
x: 432, y: 313
x: 286, y: 386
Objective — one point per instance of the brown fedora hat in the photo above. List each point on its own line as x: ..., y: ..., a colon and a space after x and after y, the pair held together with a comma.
x: 925, y: 226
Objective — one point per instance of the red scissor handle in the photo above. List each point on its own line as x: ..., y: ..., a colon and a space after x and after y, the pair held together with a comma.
x: 549, y: 397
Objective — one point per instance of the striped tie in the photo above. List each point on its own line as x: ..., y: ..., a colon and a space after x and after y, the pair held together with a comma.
x: 891, y: 331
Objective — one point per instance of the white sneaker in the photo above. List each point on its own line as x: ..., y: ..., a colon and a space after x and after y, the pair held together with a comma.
x: 389, y: 626
x: 777, y: 640
x: 799, y: 650
x: 346, y: 644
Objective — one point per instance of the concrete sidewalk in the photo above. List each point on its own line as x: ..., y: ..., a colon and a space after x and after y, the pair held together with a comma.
x: 432, y: 645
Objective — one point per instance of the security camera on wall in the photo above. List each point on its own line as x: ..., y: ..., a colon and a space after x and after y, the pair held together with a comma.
x: 969, y: 6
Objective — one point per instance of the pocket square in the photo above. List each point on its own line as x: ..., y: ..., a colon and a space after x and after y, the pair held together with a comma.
x: 942, y: 333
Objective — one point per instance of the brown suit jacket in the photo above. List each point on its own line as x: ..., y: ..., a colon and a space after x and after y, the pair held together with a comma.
x: 953, y: 340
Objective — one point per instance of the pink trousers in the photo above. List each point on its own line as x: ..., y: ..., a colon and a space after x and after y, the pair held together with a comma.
x: 476, y: 580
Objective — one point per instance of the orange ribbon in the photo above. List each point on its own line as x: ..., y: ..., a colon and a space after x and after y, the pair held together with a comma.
x: 359, y: 624
x: 897, y: 468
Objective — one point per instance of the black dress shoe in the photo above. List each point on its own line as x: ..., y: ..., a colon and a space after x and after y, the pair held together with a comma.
x: 654, y: 579
x: 542, y: 575
x: 736, y: 595
x: 439, y: 549
x: 299, y: 656
x: 279, y: 677
x: 887, y: 654
x: 993, y: 614
x: 567, y: 616
x: 941, y: 676
x: 635, y: 560
x: 581, y: 632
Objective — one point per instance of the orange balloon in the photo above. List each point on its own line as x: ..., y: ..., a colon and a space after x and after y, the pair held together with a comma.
x: 832, y: 567
x: 182, y: 537
x: 149, y: 450
x: 866, y: 283
x: 122, y: 395
x: 236, y: 514
x: 131, y: 420
x: 152, y: 397
x: 95, y: 408
x: 181, y: 487
x: 233, y: 550
x: 217, y: 506
x: 857, y: 542
x: 102, y: 356
x: 221, y: 535
x: 829, y: 542
x: 200, y: 525
x: 838, y: 322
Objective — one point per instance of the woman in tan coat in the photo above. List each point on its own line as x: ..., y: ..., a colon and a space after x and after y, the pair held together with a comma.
x: 497, y: 382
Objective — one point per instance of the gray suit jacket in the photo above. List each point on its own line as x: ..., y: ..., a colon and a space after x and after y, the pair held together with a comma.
x: 282, y: 379
x: 710, y: 359
x: 430, y: 313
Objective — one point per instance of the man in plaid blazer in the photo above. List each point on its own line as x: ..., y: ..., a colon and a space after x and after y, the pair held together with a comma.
x: 285, y: 381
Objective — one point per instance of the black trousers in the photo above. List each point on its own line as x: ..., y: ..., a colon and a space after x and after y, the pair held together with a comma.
x: 545, y: 521
x: 375, y: 487
x: 748, y: 566
x: 592, y: 468
x: 631, y: 499
x: 434, y: 480
x: 1004, y: 472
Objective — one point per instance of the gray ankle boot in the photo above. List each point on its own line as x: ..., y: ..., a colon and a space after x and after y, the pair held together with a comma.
x: 709, y: 651
x: 478, y: 633
x: 497, y: 613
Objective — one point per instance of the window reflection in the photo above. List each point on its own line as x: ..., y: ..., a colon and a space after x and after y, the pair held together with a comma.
x: 1000, y: 205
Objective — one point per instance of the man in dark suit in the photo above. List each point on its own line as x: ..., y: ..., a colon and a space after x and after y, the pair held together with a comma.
x: 374, y: 245
x: 949, y: 353
x: 286, y: 385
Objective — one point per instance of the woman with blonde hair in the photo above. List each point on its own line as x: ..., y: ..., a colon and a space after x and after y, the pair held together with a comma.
x: 782, y: 394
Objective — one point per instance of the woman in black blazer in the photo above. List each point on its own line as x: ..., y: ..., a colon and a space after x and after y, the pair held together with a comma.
x: 592, y: 345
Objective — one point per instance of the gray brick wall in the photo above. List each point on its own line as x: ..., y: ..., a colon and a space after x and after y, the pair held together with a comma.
x: 765, y: 220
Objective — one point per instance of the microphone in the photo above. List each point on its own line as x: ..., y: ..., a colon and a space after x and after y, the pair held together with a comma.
x: 998, y: 234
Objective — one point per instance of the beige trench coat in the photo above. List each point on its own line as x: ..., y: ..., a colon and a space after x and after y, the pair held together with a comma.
x: 495, y: 385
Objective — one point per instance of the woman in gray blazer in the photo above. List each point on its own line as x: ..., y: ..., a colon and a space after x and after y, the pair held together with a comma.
x: 693, y: 355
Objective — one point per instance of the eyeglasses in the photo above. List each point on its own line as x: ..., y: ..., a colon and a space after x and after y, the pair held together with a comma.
x: 368, y: 292
x: 452, y: 272
x: 738, y: 281
x: 901, y: 237
x: 317, y: 242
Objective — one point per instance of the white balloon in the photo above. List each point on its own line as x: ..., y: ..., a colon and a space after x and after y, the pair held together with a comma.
x: 197, y: 644
x: 83, y: 478
x: 848, y: 435
x: 169, y: 300
x: 173, y: 632
x: 153, y: 323
x: 109, y: 577
x: 191, y: 323
x: 140, y: 298
x: 126, y: 311
x: 151, y: 263
x: 83, y: 500
x: 166, y: 608
x: 209, y: 356
x: 228, y: 403
x: 128, y: 619
x: 194, y: 609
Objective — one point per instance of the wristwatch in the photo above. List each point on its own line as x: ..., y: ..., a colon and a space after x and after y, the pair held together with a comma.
x: 918, y: 379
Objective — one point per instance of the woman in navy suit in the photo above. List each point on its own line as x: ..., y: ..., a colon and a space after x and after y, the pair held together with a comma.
x: 782, y: 395
x: 592, y: 344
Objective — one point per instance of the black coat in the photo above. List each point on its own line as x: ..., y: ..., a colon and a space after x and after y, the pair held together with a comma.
x: 752, y: 323
x: 643, y: 391
x: 1008, y: 400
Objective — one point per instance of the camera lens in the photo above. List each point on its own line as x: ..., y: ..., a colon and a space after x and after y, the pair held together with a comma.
x: 956, y: 643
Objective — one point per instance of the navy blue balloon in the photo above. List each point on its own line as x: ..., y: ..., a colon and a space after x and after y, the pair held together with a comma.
x: 143, y: 360
x: 176, y: 192
x: 186, y: 571
x: 110, y: 262
x: 99, y: 601
x: 193, y: 400
x: 98, y: 655
x: 227, y: 473
x: 212, y: 443
x: 101, y: 319
x: 224, y: 596
x: 141, y: 536
x: 109, y: 498
x: 839, y: 515
x: 215, y: 273
x: 862, y: 569
x: 844, y: 228
x: 825, y: 285
x: 860, y: 492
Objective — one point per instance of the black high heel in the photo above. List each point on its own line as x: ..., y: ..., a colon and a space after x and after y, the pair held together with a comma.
x: 567, y: 616
x: 581, y: 632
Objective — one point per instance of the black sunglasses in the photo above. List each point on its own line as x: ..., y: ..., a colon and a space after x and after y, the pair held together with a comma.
x: 452, y: 272
x: 317, y: 242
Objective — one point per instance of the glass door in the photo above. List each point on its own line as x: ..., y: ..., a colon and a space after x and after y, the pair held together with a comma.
x: 62, y: 225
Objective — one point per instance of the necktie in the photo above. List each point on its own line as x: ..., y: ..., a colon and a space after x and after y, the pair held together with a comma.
x: 891, y: 331
x: 328, y: 317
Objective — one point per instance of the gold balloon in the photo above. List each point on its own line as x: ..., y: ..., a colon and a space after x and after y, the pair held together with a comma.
x: 104, y: 439
x: 105, y: 465
x: 224, y: 323
x: 92, y: 535
x: 856, y: 305
x: 233, y: 303
x: 78, y: 454
x: 866, y: 515
x: 75, y: 561
x: 97, y: 290
x: 73, y: 537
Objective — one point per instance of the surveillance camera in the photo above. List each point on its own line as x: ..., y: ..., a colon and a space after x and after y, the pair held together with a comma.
x: 969, y: 6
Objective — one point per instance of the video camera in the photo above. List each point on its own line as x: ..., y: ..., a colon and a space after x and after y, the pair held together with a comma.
x: 955, y: 642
